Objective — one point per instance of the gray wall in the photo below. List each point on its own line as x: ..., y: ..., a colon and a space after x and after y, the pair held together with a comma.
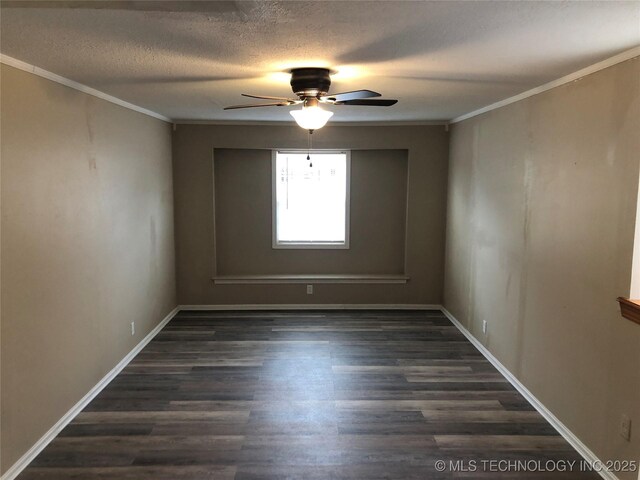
x: 87, y: 246
x: 243, y: 214
x: 541, y: 205
x: 193, y: 151
x: 541, y: 214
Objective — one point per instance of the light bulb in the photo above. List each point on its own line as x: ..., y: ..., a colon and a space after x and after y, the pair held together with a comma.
x: 311, y: 118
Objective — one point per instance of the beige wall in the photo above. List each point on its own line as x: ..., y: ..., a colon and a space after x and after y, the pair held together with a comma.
x: 541, y: 213
x: 193, y: 149
x: 541, y: 210
x: 243, y: 214
x: 87, y: 246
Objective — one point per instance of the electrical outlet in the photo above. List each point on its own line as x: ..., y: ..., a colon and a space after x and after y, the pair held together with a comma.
x: 625, y: 427
x: 484, y: 327
x: 133, y: 328
x: 309, y: 289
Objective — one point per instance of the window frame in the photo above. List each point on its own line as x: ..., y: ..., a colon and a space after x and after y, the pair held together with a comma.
x: 275, y: 244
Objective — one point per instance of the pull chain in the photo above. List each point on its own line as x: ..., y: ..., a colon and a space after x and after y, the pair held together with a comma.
x: 309, y: 148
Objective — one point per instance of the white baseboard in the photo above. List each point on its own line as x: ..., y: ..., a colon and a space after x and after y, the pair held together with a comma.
x: 561, y: 428
x: 315, y: 306
x: 33, y: 452
x: 574, y: 441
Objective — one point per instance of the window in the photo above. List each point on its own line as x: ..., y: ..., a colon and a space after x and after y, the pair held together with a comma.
x: 311, y: 199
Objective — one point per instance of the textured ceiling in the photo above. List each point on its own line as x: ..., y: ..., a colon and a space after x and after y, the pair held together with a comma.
x: 186, y: 60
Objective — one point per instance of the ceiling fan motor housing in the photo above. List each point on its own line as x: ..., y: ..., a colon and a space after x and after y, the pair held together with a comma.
x: 310, y: 82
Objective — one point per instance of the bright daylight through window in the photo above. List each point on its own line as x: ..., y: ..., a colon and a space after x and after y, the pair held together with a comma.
x: 311, y: 199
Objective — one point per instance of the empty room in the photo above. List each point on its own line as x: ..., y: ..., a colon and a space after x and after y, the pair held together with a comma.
x: 320, y: 240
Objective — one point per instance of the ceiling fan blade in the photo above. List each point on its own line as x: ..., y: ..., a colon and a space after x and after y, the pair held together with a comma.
x: 266, y: 97
x: 373, y: 103
x: 279, y: 104
x: 340, y: 97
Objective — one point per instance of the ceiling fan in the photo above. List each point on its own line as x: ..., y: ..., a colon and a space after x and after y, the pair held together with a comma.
x: 311, y: 85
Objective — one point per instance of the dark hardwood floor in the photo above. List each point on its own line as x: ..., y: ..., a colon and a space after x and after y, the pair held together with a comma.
x: 322, y: 395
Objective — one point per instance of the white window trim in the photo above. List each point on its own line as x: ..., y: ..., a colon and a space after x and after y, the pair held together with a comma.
x: 309, y: 245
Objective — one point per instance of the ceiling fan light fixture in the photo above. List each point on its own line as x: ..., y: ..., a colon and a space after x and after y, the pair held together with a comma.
x: 311, y: 117
x: 311, y: 86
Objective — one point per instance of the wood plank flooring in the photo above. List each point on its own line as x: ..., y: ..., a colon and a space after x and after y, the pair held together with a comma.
x: 321, y: 395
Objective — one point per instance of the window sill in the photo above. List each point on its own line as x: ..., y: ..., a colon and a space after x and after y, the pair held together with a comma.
x: 311, y: 246
x: 289, y: 279
x: 630, y: 309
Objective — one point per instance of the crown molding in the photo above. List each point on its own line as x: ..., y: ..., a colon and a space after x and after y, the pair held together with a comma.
x: 332, y: 124
x: 596, y: 67
x: 27, y: 67
x: 572, y: 77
